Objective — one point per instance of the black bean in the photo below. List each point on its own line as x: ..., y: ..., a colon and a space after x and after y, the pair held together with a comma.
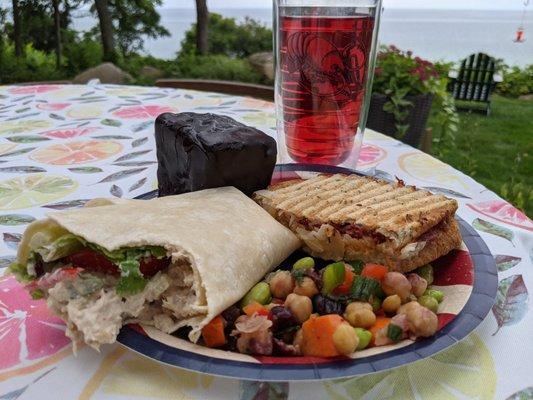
x: 282, y: 318
x: 324, y: 305
x: 230, y: 315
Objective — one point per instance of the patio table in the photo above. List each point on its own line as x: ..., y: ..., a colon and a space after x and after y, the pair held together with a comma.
x: 61, y: 145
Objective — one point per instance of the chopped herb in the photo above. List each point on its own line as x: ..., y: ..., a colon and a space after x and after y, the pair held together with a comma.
x: 299, y: 274
x: 394, y: 333
x: 357, y: 266
x: 362, y: 288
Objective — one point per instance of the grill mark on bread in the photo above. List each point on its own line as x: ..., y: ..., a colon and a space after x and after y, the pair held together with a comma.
x: 399, y: 212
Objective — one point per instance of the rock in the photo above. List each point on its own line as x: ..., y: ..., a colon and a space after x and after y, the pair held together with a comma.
x: 263, y: 63
x: 106, y: 73
x: 151, y: 72
x: 526, y: 97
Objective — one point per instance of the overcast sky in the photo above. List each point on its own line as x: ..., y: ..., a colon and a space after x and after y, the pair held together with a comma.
x: 446, y: 4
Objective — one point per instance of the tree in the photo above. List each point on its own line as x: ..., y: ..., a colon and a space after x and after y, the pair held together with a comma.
x: 134, y: 20
x: 202, y: 26
x: 106, y: 29
x: 17, y: 33
x: 57, y: 31
x: 228, y: 37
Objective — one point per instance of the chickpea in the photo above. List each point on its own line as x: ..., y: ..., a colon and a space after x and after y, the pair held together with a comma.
x: 422, y: 321
x: 391, y: 304
x: 360, y: 315
x: 300, y: 306
x: 396, y: 283
x: 281, y: 284
x: 345, y: 339
x: 429, y: 302
x: 418, y: 284
x: 306, y: 287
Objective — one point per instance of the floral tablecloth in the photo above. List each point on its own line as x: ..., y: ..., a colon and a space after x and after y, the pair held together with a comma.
x: 61, y: 145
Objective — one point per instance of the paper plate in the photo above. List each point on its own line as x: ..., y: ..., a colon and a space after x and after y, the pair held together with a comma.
x: 467, y: 276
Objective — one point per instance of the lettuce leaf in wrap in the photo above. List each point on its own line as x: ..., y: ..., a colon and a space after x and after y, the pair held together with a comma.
x: 128, y: 260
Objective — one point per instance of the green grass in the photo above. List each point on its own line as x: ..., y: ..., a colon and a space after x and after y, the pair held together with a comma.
x: 497, y: 150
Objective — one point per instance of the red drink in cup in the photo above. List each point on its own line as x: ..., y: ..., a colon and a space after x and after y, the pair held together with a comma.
x: 323, y: 61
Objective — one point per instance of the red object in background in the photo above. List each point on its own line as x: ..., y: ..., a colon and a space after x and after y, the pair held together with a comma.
x: 519, y: 35
x: 323, y: 64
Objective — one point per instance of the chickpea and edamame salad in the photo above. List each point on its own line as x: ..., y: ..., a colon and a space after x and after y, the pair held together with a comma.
x: 328, y: 312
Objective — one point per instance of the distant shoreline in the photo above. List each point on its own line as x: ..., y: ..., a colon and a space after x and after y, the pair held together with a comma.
x: 434, y: 34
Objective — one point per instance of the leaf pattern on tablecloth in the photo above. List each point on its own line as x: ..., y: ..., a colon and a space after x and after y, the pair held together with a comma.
x: 524, y: 394
x: 18, y: 152
x: 489, y: 227
x: 6, y: 261
x: 139, y: 142
x: 116, y: 191
x: 86, y: 170
x: 21, y: 169
x: 132, y: 155
x: 27, y: 139
x: 446, y: 192
x: 121, y: 175
x: 115, y: 137
x: 503, y: 262
x: 111, y: 122
x: 16, y: 219
x: 62, y: 205
x: 511, y: 301
x: 141, y: 126
x: 12, y: 240
x: 137, y: 184
x: 134, y: 163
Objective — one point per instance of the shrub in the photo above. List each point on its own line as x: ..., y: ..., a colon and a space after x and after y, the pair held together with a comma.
x: 217, y: 67
x: 230, y: 38
x: 35, y: 65
x: 516, y: 81
x: 398, y: 75
x: 81, y: 54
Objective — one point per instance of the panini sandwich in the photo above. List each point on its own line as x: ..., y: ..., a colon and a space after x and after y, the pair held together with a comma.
x: 360, y: 218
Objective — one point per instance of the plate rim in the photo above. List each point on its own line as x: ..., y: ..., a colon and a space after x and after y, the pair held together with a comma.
x: 477, y: 307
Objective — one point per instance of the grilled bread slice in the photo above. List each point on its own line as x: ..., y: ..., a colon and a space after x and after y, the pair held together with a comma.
x: 353, y: 217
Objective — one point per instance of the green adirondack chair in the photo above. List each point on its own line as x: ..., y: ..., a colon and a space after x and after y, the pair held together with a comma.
x: 474, y: 82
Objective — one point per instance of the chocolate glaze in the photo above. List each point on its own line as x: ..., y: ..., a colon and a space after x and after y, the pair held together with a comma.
x: 202, y: 151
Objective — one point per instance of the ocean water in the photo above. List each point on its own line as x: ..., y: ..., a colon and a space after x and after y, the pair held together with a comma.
x: 433, y: 34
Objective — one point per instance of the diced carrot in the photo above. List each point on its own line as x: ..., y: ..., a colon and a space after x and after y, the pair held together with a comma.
x: 345, y: 286
x: 255, y: 307
x: 317, y: 335
x: 375, y: 271
x: 381, y: 322
x: 213, y: 332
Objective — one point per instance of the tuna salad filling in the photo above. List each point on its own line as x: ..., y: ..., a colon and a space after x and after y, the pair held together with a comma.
x: 97, y: 291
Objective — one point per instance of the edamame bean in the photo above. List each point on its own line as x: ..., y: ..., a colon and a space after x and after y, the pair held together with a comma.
x: 332, y: 277
x: 436, y: 294
x: 426, y: 272
x: 304, y: 263
x: 364, y: 338
x: 260, y: 293
x: 429, y: 302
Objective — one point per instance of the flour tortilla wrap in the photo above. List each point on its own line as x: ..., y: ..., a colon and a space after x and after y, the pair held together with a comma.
x: 224, y: 242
